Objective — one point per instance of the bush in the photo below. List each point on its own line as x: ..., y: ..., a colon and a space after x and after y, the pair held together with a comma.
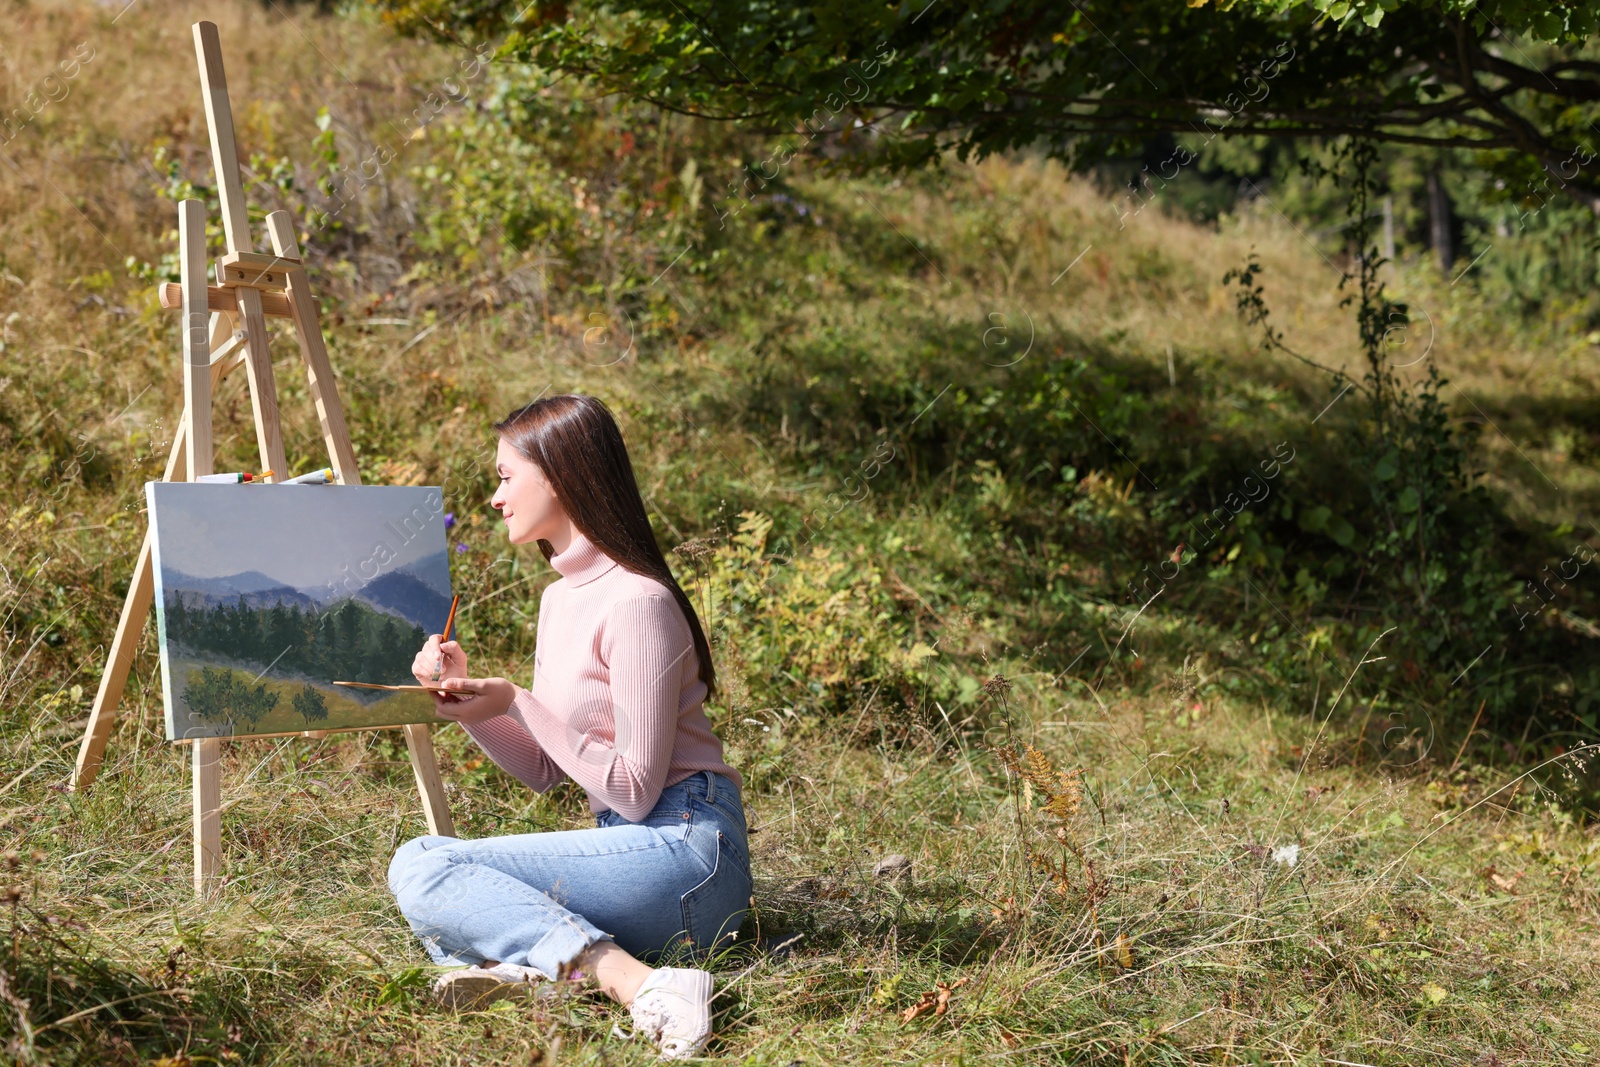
x: 819, y: 633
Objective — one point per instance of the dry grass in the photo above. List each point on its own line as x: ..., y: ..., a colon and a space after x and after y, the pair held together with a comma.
x: 1410, y: 929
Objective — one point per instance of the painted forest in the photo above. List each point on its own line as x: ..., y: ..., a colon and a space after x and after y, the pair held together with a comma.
x: 348, y: 641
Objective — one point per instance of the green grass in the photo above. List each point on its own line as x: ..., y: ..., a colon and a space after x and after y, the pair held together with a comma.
x: 1442, y: 906
x: 1390, y: 941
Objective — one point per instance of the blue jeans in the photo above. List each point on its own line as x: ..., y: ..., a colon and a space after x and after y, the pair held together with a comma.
x: 677, y: 880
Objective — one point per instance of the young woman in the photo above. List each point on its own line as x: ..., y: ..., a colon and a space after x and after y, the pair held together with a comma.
x: 621, y: 670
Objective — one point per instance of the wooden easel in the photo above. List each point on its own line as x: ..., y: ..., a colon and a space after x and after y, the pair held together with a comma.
x: 251, y: 286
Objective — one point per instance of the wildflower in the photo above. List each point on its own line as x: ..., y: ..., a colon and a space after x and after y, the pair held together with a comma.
x: 461, y: 546
x: 998, y: 683
x: 449, y: 519
x: 1289, y: 855
x: 693, y: 549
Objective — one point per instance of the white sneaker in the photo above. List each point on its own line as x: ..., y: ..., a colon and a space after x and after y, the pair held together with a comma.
x: 673, y: 1007
x: 480, y: 986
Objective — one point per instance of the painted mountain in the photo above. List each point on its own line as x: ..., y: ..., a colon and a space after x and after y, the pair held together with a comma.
x: 257, y: 589
x: 410, y: 593
x: 267, y: 594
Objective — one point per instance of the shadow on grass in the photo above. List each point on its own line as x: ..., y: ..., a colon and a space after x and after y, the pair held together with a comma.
x: 1087, y: 475
x: 936, y: 917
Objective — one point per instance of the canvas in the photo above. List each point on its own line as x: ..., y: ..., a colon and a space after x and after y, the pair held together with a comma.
x: 268, y: 594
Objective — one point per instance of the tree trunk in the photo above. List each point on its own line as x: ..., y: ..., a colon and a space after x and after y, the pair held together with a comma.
x: 1439, y: 220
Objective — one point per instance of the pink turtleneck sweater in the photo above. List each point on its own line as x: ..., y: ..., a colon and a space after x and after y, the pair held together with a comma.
x: 617, y: 701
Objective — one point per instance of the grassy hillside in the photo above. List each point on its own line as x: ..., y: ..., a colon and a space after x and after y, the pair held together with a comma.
x: 916, y: 445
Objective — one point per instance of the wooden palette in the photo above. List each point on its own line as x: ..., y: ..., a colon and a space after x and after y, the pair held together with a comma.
x: 399, y: 688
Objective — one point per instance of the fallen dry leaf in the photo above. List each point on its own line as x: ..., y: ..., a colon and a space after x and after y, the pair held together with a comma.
x: 936, y: 1000
x: 1124, y: 951
x: 1502, y: 882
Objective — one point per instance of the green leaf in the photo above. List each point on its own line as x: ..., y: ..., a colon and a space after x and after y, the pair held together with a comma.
x: 1409, y: 500
x: 1548, y: 24
x: 1387, y: 467
x: 1315, y: 520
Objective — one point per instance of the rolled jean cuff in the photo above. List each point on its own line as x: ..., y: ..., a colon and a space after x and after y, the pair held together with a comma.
x: 563, y: 943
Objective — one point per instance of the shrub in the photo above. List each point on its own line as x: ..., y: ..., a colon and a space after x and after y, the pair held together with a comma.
x: 819, y: 632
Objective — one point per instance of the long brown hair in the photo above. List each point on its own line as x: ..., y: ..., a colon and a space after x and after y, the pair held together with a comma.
x: 574, y: 440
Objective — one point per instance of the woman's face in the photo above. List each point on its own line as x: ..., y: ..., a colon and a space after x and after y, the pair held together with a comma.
x: 524, y: 499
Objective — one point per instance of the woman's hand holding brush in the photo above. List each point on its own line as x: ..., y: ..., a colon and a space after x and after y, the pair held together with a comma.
x: 471, y: 699
x: 439, y: 660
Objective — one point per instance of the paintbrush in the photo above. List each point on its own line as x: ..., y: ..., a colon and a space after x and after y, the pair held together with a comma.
x: 448, y: 623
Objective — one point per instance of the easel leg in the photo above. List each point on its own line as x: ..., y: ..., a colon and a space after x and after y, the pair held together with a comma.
x: 197, y: 391
x: 314, y: 351
x: 207, y: 813
x: 130, y: 627
x: 263, y: 393
x: 419, y: 740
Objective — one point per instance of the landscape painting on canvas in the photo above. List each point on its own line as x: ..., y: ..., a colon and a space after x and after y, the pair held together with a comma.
x: 267, y: 594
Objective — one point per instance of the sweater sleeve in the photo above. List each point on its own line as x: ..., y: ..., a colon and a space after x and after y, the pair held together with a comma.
x: 620, y: 748
x: 506, y: 741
